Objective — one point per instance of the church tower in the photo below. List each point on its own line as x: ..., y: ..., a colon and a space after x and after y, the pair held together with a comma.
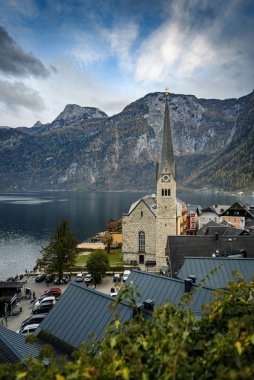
x: 166, y: 191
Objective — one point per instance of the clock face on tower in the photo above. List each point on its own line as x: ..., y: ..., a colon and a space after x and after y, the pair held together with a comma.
x: 165, y: 178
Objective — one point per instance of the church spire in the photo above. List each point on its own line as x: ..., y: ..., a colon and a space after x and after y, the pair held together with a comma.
x: 167, y: 159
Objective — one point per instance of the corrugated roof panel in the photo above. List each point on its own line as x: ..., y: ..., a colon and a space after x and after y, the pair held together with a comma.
x: 223, y: 267
x: 13, y: 346
x: 81, y: 314
x: 162, y: 289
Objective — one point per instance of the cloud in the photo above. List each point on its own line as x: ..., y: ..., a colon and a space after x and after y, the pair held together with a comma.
x: 196, y: 50
x: 15, y: 61
x: 16, y: 94
x: 121, y: 40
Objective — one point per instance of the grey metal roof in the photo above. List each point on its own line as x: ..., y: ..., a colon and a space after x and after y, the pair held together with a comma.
x: 11, y: 284
x: 150, y: 202
x: 81, y: 315
x: 162, y: 290
x: 203, y: 266
x: 13, y: 346
x: 223, y: 229
x: 180, y: 247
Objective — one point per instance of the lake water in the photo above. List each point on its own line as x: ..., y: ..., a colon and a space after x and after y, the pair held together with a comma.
x: 28, y: 220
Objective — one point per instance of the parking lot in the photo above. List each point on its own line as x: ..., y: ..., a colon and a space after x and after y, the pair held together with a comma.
x: 14, y: 322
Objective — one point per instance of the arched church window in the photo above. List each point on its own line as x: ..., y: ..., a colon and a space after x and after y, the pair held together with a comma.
x: 141, y: 241
x: 141, y: 214
x: 166, y: 192
x: 162, y: 192
x: 169, y: 192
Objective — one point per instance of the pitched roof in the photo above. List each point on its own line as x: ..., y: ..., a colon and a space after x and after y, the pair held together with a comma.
x: 208, y: 210
x: 211, y: 228
x: 11, y: 284
x: 149, y: 201
x: 80, y: 315
x: 183, y: 246
x: 162, y: 289
x: 238, y: 206
x: 13, y: 346
x: 223, y: 267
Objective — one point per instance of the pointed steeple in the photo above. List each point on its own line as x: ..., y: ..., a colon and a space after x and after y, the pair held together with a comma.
x: 167, y: 159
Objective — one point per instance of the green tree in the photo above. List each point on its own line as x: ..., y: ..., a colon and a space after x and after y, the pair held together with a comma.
x: 107, y: 239
x: 60, y: 254
x: 97, y: 265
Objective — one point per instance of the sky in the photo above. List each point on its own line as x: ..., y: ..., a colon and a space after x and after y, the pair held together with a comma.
x: 108, y: 53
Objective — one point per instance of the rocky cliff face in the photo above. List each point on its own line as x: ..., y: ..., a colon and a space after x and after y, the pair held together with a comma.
x: 83, y: 148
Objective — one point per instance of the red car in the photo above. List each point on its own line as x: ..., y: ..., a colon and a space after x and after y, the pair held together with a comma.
x: 52, y: 292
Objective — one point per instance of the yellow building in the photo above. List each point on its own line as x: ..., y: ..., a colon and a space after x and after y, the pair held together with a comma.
x: 117, y: 237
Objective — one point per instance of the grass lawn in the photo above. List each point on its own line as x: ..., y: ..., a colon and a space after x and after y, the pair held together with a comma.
x: 115, y: 258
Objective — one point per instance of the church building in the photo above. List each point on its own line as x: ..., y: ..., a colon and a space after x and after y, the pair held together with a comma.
x: 153, y: 218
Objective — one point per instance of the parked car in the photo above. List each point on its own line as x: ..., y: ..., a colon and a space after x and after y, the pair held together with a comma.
x: 126, y: 274
x: 88, y: 278
x: 40, y: 278
x: 28, y: 329
x: 50, y: 278
x: 117, y: 277
x: 33, y: 319
x: 45, y: 300
x: 64, y: 280
x: 51, y: 292
x: 79, y: 277
x: 43, y: 308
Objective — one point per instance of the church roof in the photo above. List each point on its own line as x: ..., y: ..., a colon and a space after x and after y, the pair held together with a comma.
x: 149, y: 200
x: 167, y: 159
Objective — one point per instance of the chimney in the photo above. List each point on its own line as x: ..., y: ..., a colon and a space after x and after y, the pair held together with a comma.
x: 193, y: 278
x: 243, y: 253
x: 138, y: 309
x: 149, y: 305
x: 187, y: 285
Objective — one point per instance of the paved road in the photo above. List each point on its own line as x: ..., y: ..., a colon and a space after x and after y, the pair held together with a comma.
x: 14, y: 322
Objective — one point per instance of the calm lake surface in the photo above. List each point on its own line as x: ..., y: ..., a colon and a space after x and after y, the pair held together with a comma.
x: 28, y: 220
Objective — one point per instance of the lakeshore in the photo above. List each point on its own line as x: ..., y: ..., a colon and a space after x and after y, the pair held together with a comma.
x: 28, y: 219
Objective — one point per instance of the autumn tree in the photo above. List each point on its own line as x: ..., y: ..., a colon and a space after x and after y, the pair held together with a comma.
x: 107, y: 239
x: 60, y: 254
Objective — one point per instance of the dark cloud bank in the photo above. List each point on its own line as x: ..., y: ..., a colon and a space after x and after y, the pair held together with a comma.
x: 15, y: 61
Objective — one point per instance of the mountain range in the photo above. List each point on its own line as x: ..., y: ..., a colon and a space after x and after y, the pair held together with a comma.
x: 84, y: 149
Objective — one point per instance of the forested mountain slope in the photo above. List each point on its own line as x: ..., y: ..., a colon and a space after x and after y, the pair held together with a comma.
x: 83, y: 148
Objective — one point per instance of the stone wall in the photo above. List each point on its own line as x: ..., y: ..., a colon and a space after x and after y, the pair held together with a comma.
x: 140, y: 219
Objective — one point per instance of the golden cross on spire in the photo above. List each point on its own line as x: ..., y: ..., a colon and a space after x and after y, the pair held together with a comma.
x: 166, y: 92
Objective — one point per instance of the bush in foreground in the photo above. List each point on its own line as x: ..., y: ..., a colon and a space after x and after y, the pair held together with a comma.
x: 174, y: 345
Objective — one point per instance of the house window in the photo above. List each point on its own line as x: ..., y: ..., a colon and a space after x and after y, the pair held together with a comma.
x: 141, y: 241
